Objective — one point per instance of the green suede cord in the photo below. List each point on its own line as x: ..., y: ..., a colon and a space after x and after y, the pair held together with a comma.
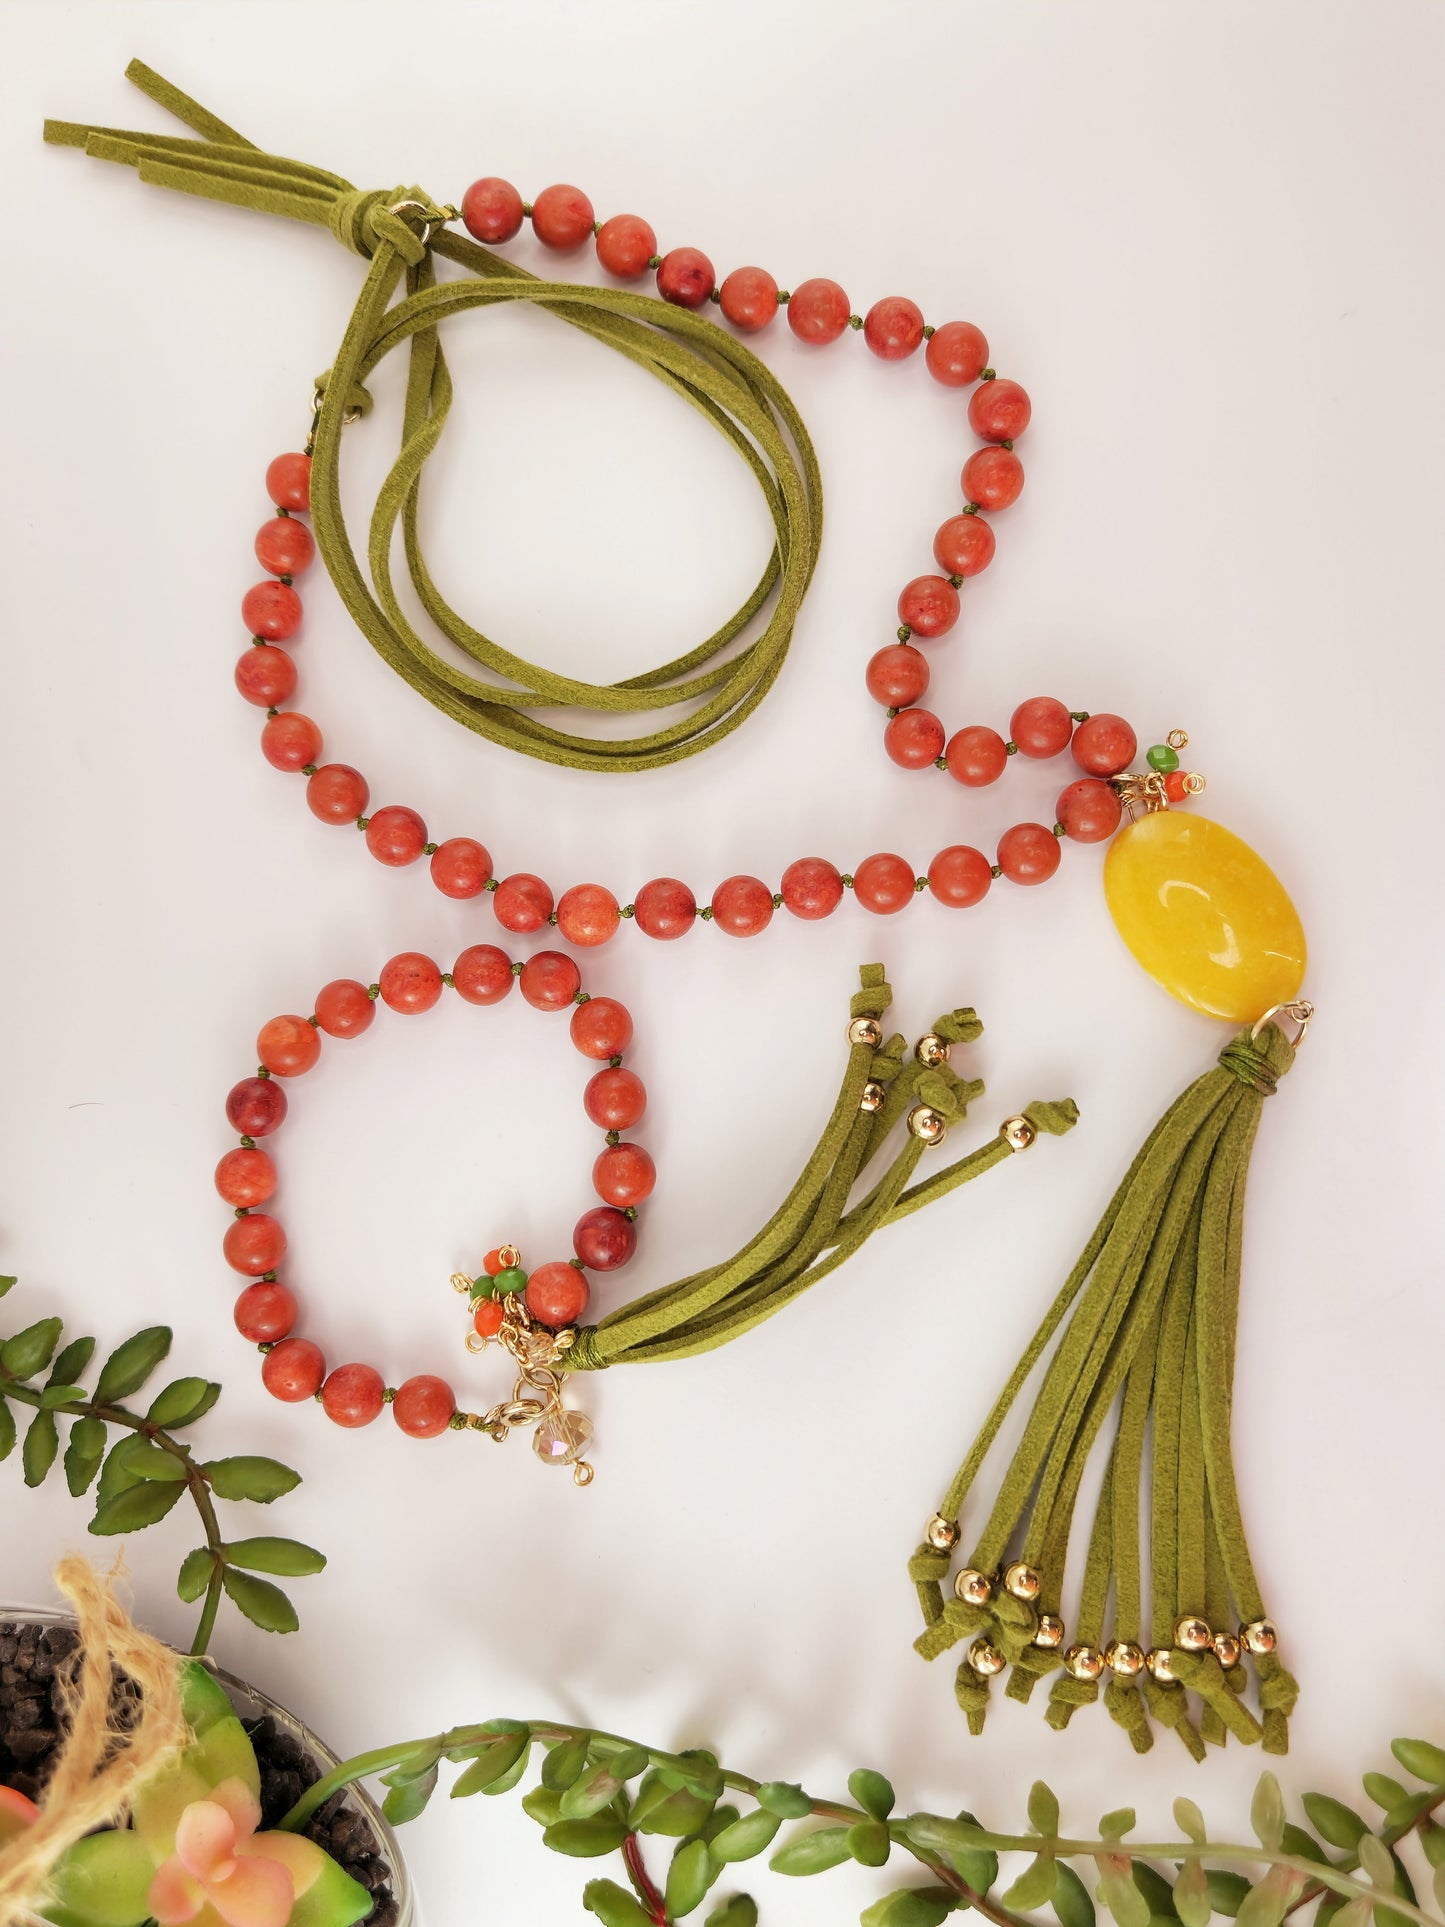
x: 711, y: 370
x: 813, y: 1231
x: 1152, y: 1308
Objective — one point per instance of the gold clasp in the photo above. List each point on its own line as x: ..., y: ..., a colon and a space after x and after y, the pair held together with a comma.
x: 1300, y: 1009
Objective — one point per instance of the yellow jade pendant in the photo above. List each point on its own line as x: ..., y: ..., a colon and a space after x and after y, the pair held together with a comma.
x: 1205, y: 916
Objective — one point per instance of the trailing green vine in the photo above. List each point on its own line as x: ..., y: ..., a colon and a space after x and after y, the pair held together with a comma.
x: 140, y: 1476
x: 599, y: 1794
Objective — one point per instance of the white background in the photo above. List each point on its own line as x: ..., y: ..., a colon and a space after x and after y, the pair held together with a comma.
x: 1206, y: 238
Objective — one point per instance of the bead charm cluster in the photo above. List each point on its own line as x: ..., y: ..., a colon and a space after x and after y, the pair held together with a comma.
x: 533, y: 1314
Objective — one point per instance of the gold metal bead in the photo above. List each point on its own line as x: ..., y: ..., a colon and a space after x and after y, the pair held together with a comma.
x: 1084, y: 1662
x: 985, y: 1658
x: 927, y: 1123
x: 1227, y: 1650
x: 941, y: 1533
x: 1022, y: 1581
x: 931, y: 1050
x: 1178, y: 739
x: 873, y: 1096
x: 1160, y: 1662
x: 1193, y: 1634
x: 865, y: 1030
x: 1125, y: 1657
x: 1017, y: 1133
x: 973, y: 1588
x: 1259, y: 1636
x: 1049, y: 1634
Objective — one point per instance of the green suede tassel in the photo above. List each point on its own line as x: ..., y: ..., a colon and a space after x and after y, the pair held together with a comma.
x: 814, y: 1230
x: 1152, y: 1309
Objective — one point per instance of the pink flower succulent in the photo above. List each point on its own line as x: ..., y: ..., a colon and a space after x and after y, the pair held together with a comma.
x: 221, y: 1866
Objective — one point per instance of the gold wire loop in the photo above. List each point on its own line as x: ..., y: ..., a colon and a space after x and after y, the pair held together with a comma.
x: 1301, y: 1010
x: 431, y: 217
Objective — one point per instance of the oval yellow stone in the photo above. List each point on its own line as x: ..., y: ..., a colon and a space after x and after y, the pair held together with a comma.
x: 1204, y: 915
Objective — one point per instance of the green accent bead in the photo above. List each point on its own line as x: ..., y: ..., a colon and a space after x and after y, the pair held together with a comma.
x: 1164, y: 759
x: 483, y: 1287
x: 512, y: 1279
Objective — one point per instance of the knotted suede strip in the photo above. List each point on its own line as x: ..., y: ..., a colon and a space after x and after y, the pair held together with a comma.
x: 1151, y: 1310
x: 814, y: 1229
x: 399, y: 232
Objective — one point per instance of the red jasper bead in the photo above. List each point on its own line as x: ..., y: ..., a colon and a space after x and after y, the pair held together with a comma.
x: 1104, y: 745
x: 288, y: 481
x: 293, y: 1370
x: 284, y: 546
x: 256, y: 1106
x: 345, y: 1008
x: 1089, y: 810
x: 818, y: 311
x: 254, y: 1244
x: 998, y: 411
x: 550, y: 980
x: 929, y: 606
x: 893, y: 327
x: 265, y: 1312
x: 587, y: 915
x: 976, y: 756
x: 461, y: 867
x: 556, y: 1295
x: 665, y: 909
x: 624, y: 1175
x: 562, y: 218
x: 884, y: 884
x: 964, y: 545
x: 1028, y: 853
x: 897, y: 675
x: 742, y: 906
x: 353, y: 1395
x: 492, y: 210
x: 482, y: 974
x: 337, y: 793
x: 811, y: 888
x: 957, y: 354
x: 959, y: 876
x: 749, y: 298
x: 625, y: 246
x: 604, y: 1238
x: 290, y: 741
x: 993, y: 477
x: 615, y: 1099
x: 488, y: 1316
x: 245, y: 1177
x: 601, y: 1028
x: 410, y: 983
x: 685, y: 277
x: 522, y: 903
x: 396, y: 835
x: 288, y: 1046
x: 272, y: 610
x: 914, y: 738
x: 1041, y: 727
x: 265, y: 676
x: 423, y: 1406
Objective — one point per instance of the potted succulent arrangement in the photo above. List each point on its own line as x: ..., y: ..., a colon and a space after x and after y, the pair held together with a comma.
x: 254, y: 1824
x: 205, y: 1842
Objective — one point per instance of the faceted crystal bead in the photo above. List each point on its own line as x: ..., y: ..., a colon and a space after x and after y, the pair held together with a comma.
x: 1205, y: 916
x: 561, y: 1437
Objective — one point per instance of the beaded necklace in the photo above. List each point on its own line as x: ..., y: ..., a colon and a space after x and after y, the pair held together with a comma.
x: 1145, y: 1323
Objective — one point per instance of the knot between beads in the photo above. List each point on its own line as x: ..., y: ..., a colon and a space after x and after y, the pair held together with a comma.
x: 364, y: 218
